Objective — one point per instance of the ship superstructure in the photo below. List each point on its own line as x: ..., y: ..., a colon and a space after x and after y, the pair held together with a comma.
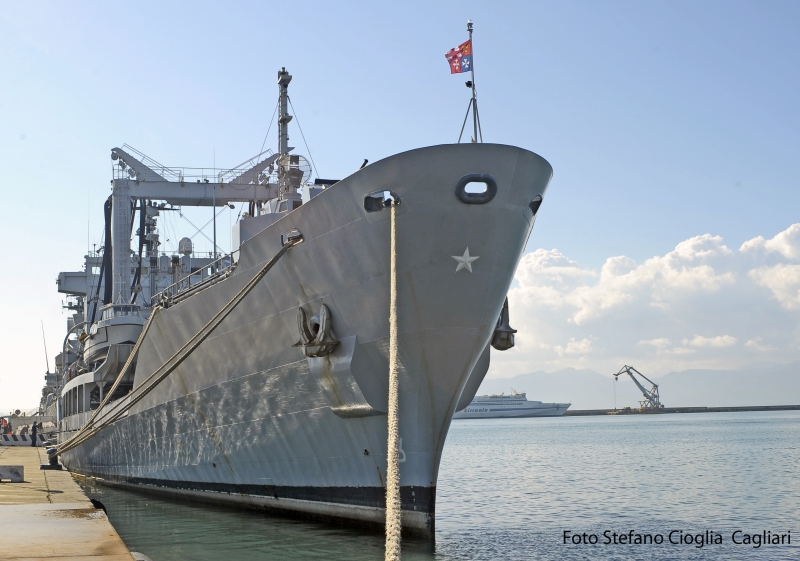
x: 259, y: 377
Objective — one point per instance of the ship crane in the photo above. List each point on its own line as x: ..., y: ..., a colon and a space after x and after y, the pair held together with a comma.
x: 651, y: 397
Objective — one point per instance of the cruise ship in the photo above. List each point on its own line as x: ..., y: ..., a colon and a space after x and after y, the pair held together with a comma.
x: 506, y: 406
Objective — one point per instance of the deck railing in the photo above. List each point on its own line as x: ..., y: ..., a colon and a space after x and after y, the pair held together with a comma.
x: 221, y: 268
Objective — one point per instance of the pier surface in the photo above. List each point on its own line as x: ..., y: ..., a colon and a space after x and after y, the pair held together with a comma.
x: 48, y: 516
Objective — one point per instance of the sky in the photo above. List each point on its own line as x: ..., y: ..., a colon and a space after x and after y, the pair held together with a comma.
x: 667, y: 237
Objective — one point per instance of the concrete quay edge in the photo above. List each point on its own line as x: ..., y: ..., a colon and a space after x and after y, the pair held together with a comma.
x: 48, y: 516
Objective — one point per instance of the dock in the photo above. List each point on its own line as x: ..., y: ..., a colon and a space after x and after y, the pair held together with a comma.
x: 48, y: 516
x: 631, y: 411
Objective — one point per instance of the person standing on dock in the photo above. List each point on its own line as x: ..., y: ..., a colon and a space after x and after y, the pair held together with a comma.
x: 33, y: 434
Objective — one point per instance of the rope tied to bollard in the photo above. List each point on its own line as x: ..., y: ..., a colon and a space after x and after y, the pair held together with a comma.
x: 393, y: 504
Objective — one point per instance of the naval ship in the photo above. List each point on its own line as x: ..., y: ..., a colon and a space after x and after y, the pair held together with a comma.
x: 259, y: 378
x: 504, y: 406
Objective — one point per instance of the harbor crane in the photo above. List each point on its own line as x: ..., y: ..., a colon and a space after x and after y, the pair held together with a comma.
x: 651, y: 397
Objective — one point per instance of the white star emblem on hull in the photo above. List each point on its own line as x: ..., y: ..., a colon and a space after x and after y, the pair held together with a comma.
x: 465, y: 261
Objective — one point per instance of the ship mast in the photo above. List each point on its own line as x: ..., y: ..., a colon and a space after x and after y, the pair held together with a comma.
x: 283, y: 120
x: 144, y: 183
x: 289, y: 174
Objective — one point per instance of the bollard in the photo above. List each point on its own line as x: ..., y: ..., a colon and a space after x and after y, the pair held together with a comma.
x: 53, y: 464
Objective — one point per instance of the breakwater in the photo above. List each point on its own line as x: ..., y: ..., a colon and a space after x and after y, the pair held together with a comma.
x: 630, y: 411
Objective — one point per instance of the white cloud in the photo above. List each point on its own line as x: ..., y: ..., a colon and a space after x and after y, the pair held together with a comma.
x: 574, y: 347
x: 680, y: 351
x: 787, y: 243
x: 660, y: 343
x: 784, y: 282
x: 755, y: 344
x: 718, y: 341
x: 690, y: 308
x: 553, y: 279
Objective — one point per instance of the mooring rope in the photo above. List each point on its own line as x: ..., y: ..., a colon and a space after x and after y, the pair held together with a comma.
x: 393, y: 504
x: 120, y: 407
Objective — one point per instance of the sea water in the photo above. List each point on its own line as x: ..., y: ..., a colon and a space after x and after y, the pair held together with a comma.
x: 525, y: 488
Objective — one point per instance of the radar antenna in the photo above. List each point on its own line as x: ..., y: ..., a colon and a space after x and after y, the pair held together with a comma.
x: 651, y: 398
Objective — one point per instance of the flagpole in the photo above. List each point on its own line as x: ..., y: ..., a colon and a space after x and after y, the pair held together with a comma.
x: 464, y: 124
x: 472, y: 70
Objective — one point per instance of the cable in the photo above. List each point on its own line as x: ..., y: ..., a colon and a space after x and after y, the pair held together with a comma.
x: 200, y: 230
x: 304, y: 136
x: 270, y: 128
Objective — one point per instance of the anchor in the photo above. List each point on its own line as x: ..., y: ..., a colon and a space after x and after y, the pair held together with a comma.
x: 316, y: 337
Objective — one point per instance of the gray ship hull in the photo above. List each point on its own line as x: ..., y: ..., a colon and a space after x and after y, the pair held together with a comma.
x: 249, y: 419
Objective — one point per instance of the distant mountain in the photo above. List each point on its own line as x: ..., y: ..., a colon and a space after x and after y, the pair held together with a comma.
x: 587, y: 389
x: 766, y: 385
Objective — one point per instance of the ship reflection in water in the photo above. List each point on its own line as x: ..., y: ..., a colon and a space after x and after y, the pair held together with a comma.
x: 508, y: 488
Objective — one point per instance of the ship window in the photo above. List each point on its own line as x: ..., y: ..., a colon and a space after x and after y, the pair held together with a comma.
x: 122, y: 390
x: 94, y: 398
x: 296, y: 204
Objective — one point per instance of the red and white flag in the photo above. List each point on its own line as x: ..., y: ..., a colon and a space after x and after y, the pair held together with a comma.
x: 460, y: 58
